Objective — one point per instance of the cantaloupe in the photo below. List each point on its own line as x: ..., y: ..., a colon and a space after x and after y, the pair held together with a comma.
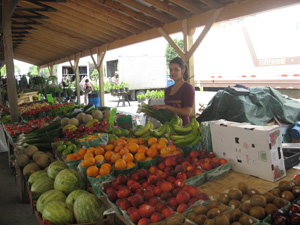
x: 86, y: 118
x: 30, y: 167
x: 50, y: 154
x: 74, y: 121
x: 30, y: 150
x: 80, y: 116
x: 22, y: 160
x: 64, y: 121
x: 107, y: 114
x: 43, y: 161
x: 36, y: 155
x: 97, y: 114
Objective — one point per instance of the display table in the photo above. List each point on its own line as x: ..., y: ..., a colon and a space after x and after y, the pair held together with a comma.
x: 123, y: 96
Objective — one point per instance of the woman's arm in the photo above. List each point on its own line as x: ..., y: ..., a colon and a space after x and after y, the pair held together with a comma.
x: 186, y: 111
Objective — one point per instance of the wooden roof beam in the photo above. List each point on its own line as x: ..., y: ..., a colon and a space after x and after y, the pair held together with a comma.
x: 165, y: 18
x: 47, y: 9
x: 36, y: 16
x: 58, y: 1
x: 189, y: 5
x: 136, y: 15
x: 26, y: 23
x: 213, y: 3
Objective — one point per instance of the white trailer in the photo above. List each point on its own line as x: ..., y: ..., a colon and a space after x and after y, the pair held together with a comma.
x: 142, y: 73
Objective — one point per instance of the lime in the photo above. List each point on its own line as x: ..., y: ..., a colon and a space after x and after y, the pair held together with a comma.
x: 59, y: 143
x: 84, y: 136
x: 77, y: 141
x: 61, y: 148
x: 68, y: 143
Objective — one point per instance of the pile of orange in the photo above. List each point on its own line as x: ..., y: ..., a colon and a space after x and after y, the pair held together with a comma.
x: 104, y: 170
x: 91, y: 137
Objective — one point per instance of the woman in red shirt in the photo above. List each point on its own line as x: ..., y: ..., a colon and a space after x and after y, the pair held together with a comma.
x: 180, y: 97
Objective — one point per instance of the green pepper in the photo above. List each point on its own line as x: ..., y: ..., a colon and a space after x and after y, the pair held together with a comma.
x: 67, y: 152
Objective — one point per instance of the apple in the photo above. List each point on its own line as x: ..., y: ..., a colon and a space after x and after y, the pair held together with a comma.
x: 294, y: 209
x: 224, y: 161
x: 206, y: 166
x: 211, y: 155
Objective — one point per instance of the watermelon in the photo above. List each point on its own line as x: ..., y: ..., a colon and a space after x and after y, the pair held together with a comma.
x: 68, y: 180
x: 37, y: 175
x: 73, y: 196
x: 49, y: 196
x: 55, y: 167
x: 57, y: 212
x: 40, y: 186
x: 87, y: 208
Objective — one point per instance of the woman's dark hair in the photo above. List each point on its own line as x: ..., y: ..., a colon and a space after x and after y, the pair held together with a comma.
x: 182, y: 65
x: 86, y: 80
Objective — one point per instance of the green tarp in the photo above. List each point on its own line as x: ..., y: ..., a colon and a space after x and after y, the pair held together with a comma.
x: 258, y: 107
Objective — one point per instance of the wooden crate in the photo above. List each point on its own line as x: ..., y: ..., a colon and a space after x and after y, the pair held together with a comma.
x: 22, y: 185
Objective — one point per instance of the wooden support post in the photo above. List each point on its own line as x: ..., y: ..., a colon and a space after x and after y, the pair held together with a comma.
x: 75, y: 68
x: 99, y: 67
x: 50, y: 67
x: 0, y: 87
x: 9, y: 56
x: 39, y: 71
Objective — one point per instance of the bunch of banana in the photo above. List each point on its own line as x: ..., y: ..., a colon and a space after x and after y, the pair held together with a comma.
x: 161, y: 131
x: 70, y: 127
x: 187, y: 135
x: 91, y: 123
x: 144, y: 131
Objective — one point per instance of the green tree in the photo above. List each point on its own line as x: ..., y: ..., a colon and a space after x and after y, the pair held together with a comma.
x: 95, y: 75
x: 171, y: 53
x: 33, y: 70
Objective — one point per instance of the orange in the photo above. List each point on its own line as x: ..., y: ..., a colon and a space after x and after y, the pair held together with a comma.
x: 152, y: 152
x: 128, y: 157
x: 124, y: 151
x: 83, y: 164
x: 120, y: 164
x: 114, y: 157
x: 92, y: 171
x: 152, y: 141
x: 71, y: 157
x: 130, y: 165
x: 99, y: 151
x: 104, y: 171
x: 148, y: 158
x: 120, y: 142
x: 163, y: 140
x: 175, y: 152
x: 142, y: 148
x: 99, y: 158
x: 141, y: 140
x: 165, y: 151
x: 132, y: 147
x: 111, y: 141
x: 79, y: 156
x: 132, y: 140
x: 108, y: 155
x: 118, y: 148
x: 123, y: 138
x: 140, y: 156
x: 88, y: 154
x: 91, y: 150
x: 89, y: 161
x: 82, y: 151
x: 107, y: 165
x: 109, y: 147
x: 160, y: 145
x: 172, y: 147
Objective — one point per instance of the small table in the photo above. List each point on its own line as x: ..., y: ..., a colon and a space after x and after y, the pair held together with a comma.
x: 123, y: 96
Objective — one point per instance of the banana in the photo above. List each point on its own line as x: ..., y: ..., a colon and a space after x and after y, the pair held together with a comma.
x: 194, y: 122
x: 187, y: 140
x: 160, y: 128
x: 158, y: 133
x: 151, y: 125
x: 180, y: 121
x: 68, y: 127
x: 148, y: 133
x: 144, y: 129
x: 168, y: 131
x: 91, y: 122
x: 178, y: 137
x: 147, y: 137
x: 73, y: 128
x: 180, y: 129
x: 196, y: 140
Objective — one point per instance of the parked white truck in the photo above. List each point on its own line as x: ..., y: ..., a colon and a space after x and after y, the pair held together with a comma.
x: 142, y: 73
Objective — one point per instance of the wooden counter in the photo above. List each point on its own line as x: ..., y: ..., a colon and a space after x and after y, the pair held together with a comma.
x: 215, y: 187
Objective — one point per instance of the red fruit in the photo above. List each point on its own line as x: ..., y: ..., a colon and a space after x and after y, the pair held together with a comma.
x: 182, y: 176
x: 172, y: 202
x: 146, y: 210
x: 150, y: 187
x: 131, y: 209
x: 191, y: 168
x: 194, y: 154
x: 183, y: 197
x: 165, y: 195
x: 140, y: 191
x: 179, y: 183
x: 154, y: 201
x: 105, y: 187
x: 153, y: 169
x: 185, y: 163
x: 152, y: 179
x: 136, y: 200
x: 211, y: 155
x: 161, y: 166
x: 157, y: 191
x: 118, y: 202
x: 129, y: 182
x: 123, y: 193
x: 171, y: 179
x: 190, y: 174
x: 144, y: 221
x: 125, y: 204
x: 168, y: 169
x: 198, y: 171
x: 145, y: 184
x: 134, y: 186
x: 199, y: 163
x: 193, y: 191
x: 181, y: 208
x: 215, y: 164
x: 179, y: 160
x: 156, y: 217
x: 167, y: 212
x: 203, y: 196
x: 160, y: 206
x: 170, y: 162
x: 158, y: 173
x: 180, y: 168
x: 206, y: 166
x: 166, y: 186
x: 141, y: 181
x: 224, y: 161
x: 121, y: 179
x: 148, y: 194
x: 215, y: 159
x: 110, y: 189
x: 135, y: 216
x: 114, y: 184
x: 135, y: 176
x: 202, y: 154
x: 112, y: 196
x: 164, y: 175
x: 142, y: 173
x: 159, y: 181
x: 191, y: 201
x: 207, y: 161
x: 175, y: 191
x: 186, y: 188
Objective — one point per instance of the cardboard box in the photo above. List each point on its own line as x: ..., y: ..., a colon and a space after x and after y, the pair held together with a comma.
x: 253, y: 150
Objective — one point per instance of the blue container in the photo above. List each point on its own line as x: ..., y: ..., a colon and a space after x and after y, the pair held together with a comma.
x: 94, y: 99
x: 295, y: 131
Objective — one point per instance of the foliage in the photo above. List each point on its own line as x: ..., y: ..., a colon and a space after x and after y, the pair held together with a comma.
x: 95, y: 75
x: 107, y: 86
x: 124, y: 84
x: 154, y: 94
x: 171, y: 53
x: 96, y: 87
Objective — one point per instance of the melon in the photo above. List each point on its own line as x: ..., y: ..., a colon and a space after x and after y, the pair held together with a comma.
x: 30, y: 167
x: 64, y: 121
x: 87, y: 208
x: 30, y: 150
x: 55, y: 167
x: 74, y: 121
x: 22, y: 160
x: 36, y: 155
x: 73, y: 196
x: 107, y: 113
x: 49, y: 196
x: 58, y: 213
x: 50, y: 154
x: 37, y: 175
x: 43, y: 161
x: 40, y: 186
x: 86, y: 118
x: 97, y: 114
x: 80, y: 116
x: 68, y: 180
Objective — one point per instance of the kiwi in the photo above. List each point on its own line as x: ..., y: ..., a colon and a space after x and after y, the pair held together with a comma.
x: 280, y: 202
x: 210, y: 222
x: 164, y: 222
x: 258, y: 200
x: 191, y: 216
x: 201, y: 209
x: 243, y: 187
x: 180, y: 217
x: 222, y: 208
x: 269, y: 197
x: 222, y: 220
x: 224, y: 198
x: 236, y: 223
x: 213, y: 204
x: 294, y: 183
x: 270, y: 208
x: 200, y: 219
x: 235, y: 214
x: 276, y: 192
x: 227, y: 215
x: 245, y: 197
x: 252, y: 191
x: 288, y: 196
x: 285, y: 185
x: 245, y: 207
x: 296, y: 191
x: 235, y: 194
x: 234, y: 203
x: 173, y: 221
x: 258, y: 212
x: 212, y: 213
x: 246, y: 220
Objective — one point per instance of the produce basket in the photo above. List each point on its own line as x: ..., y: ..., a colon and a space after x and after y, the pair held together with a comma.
x: 187, y: 149
x: 172, y: 156
x: 97, y: 182
x: 147, y: 164
x: 103, y: 140
x: 218, y: 172
x: 196, y: 180
x: 125, y: 171
x: 72, y: 164
x: 113, y: 205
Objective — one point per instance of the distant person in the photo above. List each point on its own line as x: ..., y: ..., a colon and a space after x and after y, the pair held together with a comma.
x: 180, y: 97
x: 87, y: 87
